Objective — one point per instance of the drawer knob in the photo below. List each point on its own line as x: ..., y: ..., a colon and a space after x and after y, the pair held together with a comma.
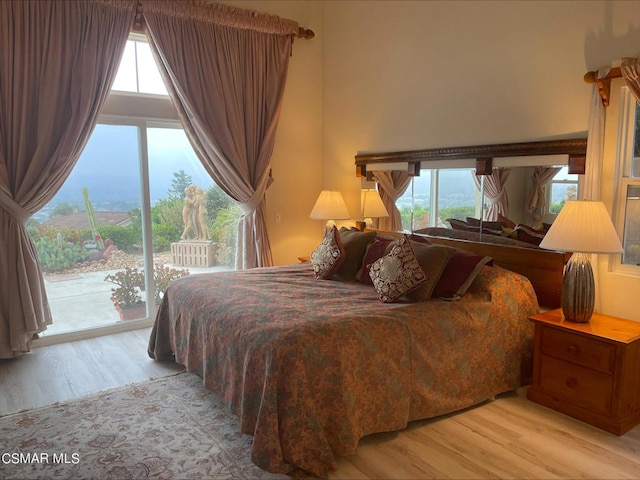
x: 571, y: 382
x: 572, y: 349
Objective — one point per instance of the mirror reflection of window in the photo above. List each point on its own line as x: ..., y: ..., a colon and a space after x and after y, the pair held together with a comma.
x: 562, y: 188
x: 449, y: 192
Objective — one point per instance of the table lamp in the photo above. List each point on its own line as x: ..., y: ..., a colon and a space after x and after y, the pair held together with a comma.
x: 582, y: 227
x: 372, y: 206
x: 330, y: 206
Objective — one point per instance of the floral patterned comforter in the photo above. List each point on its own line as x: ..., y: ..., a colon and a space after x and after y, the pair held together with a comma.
x: 311, y: 366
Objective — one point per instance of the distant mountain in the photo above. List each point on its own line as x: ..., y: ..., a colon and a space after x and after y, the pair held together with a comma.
x: 109, y: 167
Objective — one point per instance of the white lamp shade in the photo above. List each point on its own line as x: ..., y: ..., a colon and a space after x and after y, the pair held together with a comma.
x: 371, y: 204
x: 583, y: 226
x: 330, y: 206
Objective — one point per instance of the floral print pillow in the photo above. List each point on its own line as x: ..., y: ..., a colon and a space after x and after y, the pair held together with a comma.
x: 397, y: 273
x: 328, y: 256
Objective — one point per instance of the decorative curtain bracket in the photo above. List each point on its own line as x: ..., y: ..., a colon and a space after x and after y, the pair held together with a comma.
x: 305, y: 33
x: 484, y: 166
x: 604, y: 84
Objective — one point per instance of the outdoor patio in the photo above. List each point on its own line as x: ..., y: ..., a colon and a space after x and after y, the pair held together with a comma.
x: 80, y: 298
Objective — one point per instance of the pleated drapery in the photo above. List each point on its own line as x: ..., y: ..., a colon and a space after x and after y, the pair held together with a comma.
x: 537, y: 198
x: 494, y: 189
x: 392, y: 185
x: 57, y: 63
x: 630, y: 69
x: 595, y: 144
x: 225, y: 70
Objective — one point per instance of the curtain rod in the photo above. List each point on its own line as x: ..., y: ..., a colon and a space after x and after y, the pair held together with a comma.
x: 604, y: 84
x: 138, y: 25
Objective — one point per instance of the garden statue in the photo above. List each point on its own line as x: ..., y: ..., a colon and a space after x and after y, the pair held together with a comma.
x: 194, y: 215
x: 195, y: 248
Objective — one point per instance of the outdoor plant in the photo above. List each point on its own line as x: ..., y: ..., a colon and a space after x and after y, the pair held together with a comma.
x: 130, y: 284
x: 163, y: 276
x: 57, y: 255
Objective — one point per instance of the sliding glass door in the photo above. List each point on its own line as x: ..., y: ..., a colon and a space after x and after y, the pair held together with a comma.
x: 105, y: 240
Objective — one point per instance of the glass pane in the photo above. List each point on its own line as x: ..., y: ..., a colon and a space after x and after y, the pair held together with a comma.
x: 456, y: 195
x: 150, y: 80
x: 419, y: 194
x: 635, y: 162
x: 126, y: 78
x: 631, y: 255
x: 91, y: 230
x: 564, y: 187
x: 194, y: 222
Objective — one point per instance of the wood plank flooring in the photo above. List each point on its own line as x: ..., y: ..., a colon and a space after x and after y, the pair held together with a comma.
x: 67, y: 370
x: 508, y: 438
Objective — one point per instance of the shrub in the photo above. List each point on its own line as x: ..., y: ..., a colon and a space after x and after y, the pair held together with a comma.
x: 163, y: 236
x: 225, y: 231
x: 55, y: 256
x: 122, y: 237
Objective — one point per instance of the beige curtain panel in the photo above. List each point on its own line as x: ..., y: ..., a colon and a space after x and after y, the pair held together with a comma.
x: 225, y: 70
x: 57, y: 63
x: 537, y: 198
x: 392, y: 185
x: 494, y: 189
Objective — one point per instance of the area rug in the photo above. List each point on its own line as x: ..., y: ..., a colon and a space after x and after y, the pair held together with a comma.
x: 169, y: 428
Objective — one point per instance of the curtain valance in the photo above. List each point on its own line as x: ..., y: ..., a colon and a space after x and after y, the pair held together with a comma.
x: 222, y: 15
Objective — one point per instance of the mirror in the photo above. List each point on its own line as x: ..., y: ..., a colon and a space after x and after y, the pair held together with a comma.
x: 444, y: 181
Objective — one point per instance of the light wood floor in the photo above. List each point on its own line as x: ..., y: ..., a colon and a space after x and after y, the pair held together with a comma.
x: 509, y: 438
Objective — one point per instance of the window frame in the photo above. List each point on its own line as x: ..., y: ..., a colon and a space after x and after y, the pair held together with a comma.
x: 623, y: 178
x: 549, y: 191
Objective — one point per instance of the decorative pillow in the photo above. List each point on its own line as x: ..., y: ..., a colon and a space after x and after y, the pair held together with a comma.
x: 328, y: 256
x: 355, y: 245
x: 529, y: 234
x: 419, y: 238
x: 432, y: 260
x: 397, y: 273
x: 374, y: 251
x: 458, y: 275
x: 475, y: 222
x: 460, y: 225
x: 506, y: 222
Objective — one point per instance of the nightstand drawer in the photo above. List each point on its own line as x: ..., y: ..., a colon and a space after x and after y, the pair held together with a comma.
x: 578, y: 385
x: 576, y: 349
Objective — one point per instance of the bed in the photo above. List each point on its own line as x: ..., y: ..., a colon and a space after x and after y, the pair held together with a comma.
x: 311, y: 366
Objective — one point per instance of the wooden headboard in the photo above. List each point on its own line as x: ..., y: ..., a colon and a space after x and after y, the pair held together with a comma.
x: 543, y: 268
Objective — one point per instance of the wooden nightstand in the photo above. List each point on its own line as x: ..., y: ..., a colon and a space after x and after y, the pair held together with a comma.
x: 590, y: 371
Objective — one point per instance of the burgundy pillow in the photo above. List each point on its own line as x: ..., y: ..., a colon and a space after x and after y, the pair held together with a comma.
x: 461, y: 225
x: 475, y: 222
x: 374, y: 251
x: 528, y: 234
x: 419, y: 238
x: 459, y: 274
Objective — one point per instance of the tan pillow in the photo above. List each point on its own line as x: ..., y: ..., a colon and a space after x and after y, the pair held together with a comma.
x: 355, y: 245
x: 397, y: 273
x: 328, y: 256
x: 432, y: 259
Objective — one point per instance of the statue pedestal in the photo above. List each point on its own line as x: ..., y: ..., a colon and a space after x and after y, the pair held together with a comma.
x: 192, y: 253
